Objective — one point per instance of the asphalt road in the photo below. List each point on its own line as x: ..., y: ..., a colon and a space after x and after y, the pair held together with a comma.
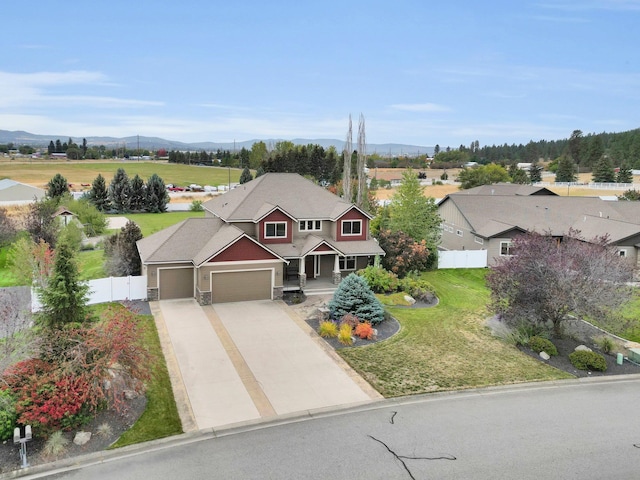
x: 576, y: 429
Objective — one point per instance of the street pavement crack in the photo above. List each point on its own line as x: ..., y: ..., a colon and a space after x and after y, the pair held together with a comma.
x: 402, y: 458
x: 392, y: 417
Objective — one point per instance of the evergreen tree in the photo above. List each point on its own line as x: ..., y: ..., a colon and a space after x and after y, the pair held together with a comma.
x: 245, y: 176
x: 57, y: 186
x: 64, y: 298
x: 354, y: 296
x: 98, y: 195
x: 51, y: 148
x: 157, y: 196
x: 535, y: 172
x: 138, y: 198
x: 120, y: 191
x: 603, y: 171
x: 121, y: 252
x: 517, y: 174
x: 625, y: 175
x: 259, y: 171
x: 566, y: 170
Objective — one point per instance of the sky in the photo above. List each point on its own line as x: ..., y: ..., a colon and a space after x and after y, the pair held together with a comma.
x: 421, y: 72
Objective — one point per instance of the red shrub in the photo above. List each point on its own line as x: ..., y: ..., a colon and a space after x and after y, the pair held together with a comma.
x: 364, y: 330
x: 350, y: 319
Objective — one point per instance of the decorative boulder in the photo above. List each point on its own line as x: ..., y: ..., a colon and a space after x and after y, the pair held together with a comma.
x: 409, y: 299
x: 582, y: 348
x: 544, y: 355
x: 81, y: 438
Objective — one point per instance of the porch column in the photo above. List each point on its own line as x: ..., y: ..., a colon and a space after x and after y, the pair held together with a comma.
x: 337, y: 275
x: 301, y: 273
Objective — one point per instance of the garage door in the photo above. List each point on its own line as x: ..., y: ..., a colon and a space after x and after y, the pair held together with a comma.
x: 241, y: 286
x: 175, y: 283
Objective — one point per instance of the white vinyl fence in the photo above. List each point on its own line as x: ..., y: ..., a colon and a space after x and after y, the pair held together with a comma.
x: 105, y: 290
x: 462, y: 259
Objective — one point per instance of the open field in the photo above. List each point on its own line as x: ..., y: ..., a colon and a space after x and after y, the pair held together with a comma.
x: 447, y: 346
x: 40, y: 172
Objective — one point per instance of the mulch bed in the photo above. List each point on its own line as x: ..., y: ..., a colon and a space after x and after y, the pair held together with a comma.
x: 566, y: 345
x: 118, y: 421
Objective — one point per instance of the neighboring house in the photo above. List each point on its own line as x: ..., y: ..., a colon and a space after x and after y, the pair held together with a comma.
x: 16, y: 193
x: 490, y: 222
x: 277, y: 232
x: 506, y: 189
x: 64, y: 216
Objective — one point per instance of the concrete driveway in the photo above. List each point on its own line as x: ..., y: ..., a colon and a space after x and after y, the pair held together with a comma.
x: 238, y: 362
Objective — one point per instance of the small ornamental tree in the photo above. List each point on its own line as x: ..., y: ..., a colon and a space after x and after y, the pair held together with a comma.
x: 7, y: 227
x: 40, y: 222
x: 138, y: 197
x: 57, y: 186
x: 353, y: 296
x: 546, y: 279
x: 98, y: 195
x: 30, y: 263
x: 157, y: 196
x: 120, y: 191
x: 64, y: 298
x: 403, y: 253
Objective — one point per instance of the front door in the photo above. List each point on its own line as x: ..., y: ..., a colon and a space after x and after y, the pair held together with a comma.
x: 310, y: 266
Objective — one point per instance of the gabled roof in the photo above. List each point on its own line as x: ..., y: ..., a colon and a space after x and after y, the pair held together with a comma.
x: 491, y: 215
x: 295, y: 195
x: 194, y: 240
x: 506, y: 189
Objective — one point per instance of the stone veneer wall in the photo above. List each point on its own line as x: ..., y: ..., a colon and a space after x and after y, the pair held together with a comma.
x: 152, y: 294
x: 203, y: 298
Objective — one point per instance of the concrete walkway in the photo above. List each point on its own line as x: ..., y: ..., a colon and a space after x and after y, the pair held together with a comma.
x: 245, y: 361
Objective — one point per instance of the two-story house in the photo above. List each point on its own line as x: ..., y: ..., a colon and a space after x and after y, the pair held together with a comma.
x: 279, y: 231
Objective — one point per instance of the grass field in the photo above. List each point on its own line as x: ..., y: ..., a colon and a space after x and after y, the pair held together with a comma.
x: 446, y: 347
x: 154, y: 222
x: 39, y: 173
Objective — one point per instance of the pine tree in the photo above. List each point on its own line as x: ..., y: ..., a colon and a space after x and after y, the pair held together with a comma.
x: 354, y: 296
x: 603, y: 171
x: 245, y: 176
x: 625, y: 175
x: 64, y: 299
x: 98, y: 195
x: 566, y: 170
x: 259, y: 171
x: 138, y: 197
x: 157, y: 196
x: 535, y: 172
x: 57, y: 186
x: 120, y: 191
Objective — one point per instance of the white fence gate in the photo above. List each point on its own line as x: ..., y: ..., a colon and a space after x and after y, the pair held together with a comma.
x: 105, y: 290
x: 462, y: 259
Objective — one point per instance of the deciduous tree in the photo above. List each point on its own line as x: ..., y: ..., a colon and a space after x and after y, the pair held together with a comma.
x: 403, y: 253
x: 121, y: 253
x: 547, y: 278
x: 482, y: 175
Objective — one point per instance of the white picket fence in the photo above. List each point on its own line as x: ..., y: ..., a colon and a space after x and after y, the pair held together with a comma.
x: 104, y: 290
x: 462, y: 259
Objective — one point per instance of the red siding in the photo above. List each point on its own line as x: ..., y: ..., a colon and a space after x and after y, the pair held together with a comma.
x: 243, y: 249
x: 352, y: 214
x: 323, y: 248
x: 276, y: 216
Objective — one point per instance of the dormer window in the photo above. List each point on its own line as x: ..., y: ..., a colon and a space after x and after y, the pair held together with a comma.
x: 310, y: 225
x: 351, y: 227
x: 275, y: 230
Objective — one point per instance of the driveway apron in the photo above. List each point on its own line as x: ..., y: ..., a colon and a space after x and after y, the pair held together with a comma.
x: 244, y: 361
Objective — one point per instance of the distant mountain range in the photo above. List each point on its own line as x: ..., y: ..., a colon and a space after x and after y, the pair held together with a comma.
x: 154, y: 143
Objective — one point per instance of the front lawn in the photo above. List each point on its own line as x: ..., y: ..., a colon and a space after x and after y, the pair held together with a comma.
x: 447, y: 346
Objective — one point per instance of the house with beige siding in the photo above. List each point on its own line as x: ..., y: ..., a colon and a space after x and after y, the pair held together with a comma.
x: 489, y: 222
x: 278, y: 232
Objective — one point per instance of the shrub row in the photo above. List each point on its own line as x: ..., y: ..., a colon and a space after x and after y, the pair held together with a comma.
x: 384, y: 281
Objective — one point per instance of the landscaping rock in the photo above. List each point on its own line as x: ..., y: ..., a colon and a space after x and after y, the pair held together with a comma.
x: 584, y: 348
x: 409, y: 299
x: 544, y: 356
x: 81, y: 438
x: 130, y: 394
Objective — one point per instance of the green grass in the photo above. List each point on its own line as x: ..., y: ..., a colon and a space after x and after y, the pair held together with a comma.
x: 91, y: 264
x: 6, y: 277
x: 631, y: 313
x: 160, y: 418
x: 447, y: 346
x: 154, y: 222
x: 38, y: 173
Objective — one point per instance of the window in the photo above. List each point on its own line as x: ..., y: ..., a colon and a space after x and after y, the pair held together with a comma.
x: 478, y: 240
x: 310, y: 225
x: 622, y: 253
x: 459, y: 233
x: 351, y: 227
x: 347, y: 263
x: 275, y: 230
x: 505, y: 249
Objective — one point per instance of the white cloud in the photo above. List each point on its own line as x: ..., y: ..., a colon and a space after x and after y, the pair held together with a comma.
x: 420, y: 107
